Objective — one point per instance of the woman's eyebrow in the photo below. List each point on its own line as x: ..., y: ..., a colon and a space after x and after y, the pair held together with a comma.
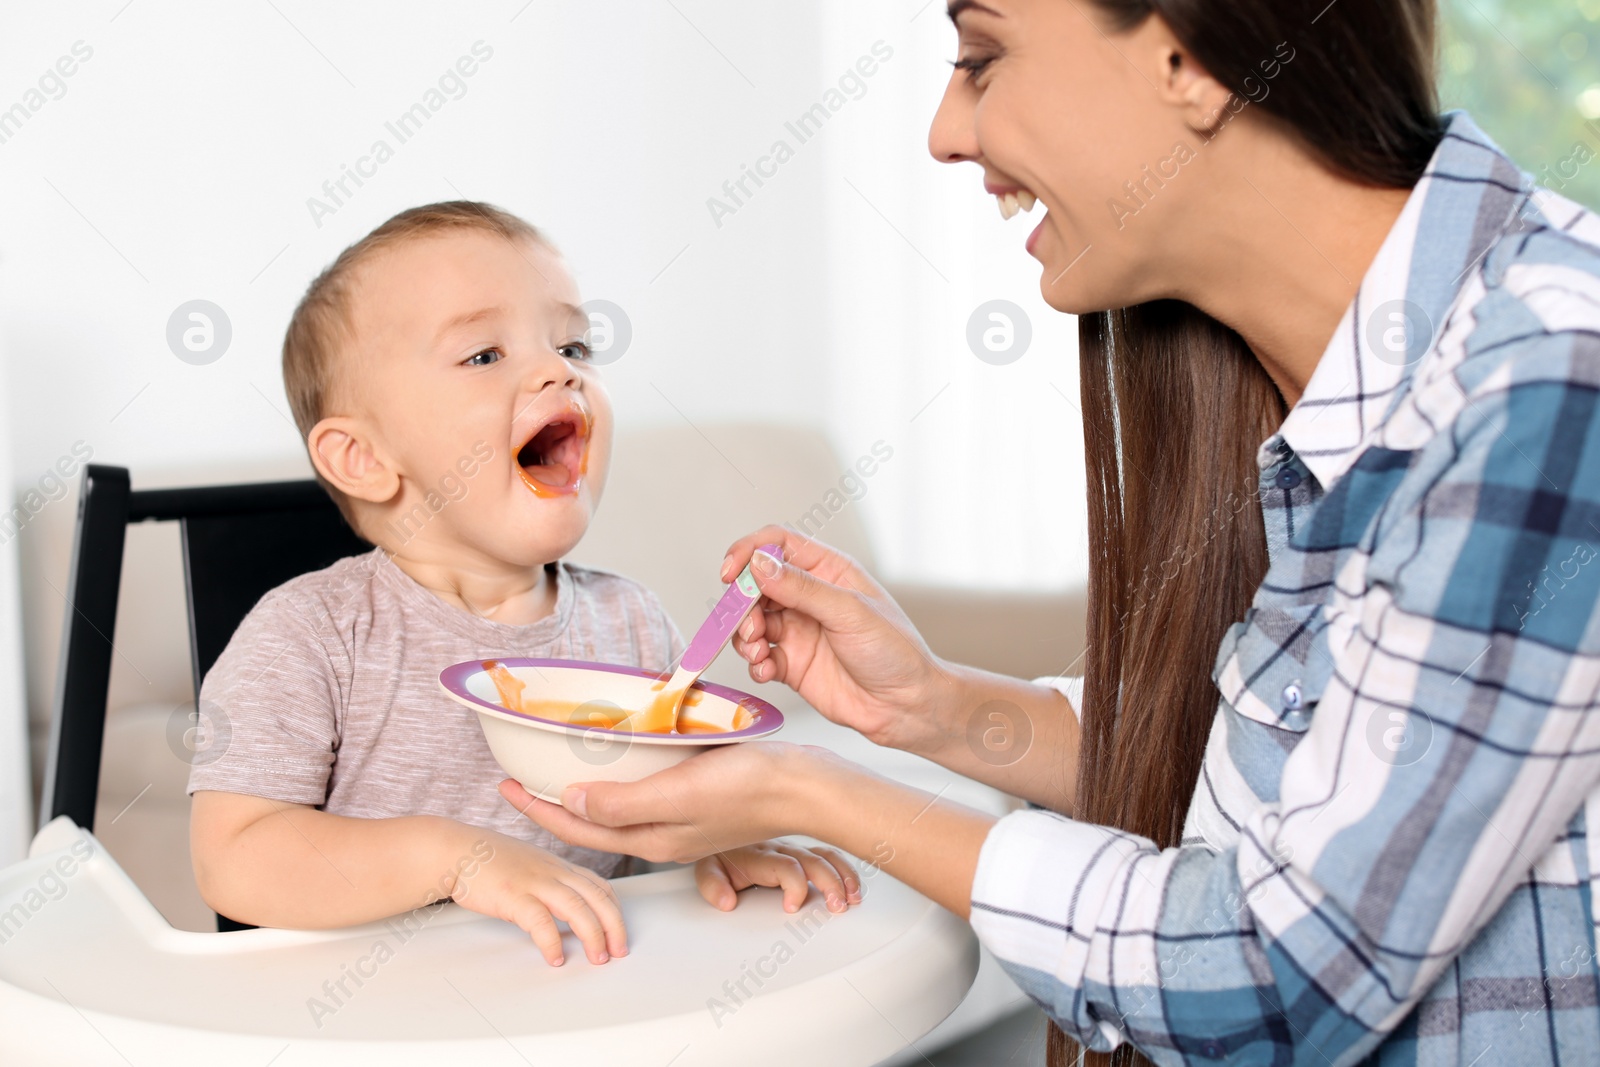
x: 957, y: 7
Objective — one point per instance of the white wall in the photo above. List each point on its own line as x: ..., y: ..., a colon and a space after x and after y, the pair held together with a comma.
x: 179, y: 163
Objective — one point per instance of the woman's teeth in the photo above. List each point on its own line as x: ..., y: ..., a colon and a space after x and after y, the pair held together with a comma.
x: 1011, y: 203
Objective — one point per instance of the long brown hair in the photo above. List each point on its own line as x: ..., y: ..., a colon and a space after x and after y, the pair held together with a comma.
x: 1175, y: 405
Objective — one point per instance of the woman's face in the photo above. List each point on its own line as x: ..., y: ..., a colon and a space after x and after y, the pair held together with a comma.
x: 1047, y: 98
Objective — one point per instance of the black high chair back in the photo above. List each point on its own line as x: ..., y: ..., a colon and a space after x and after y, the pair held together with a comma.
x: 239, y: 542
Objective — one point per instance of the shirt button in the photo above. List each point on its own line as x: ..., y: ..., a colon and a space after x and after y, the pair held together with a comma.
x: 1288, y: 478
x: 1212, y: 1049
x: 1292, y: 697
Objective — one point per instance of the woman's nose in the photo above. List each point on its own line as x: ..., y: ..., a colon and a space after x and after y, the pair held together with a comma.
x: 951, y: 138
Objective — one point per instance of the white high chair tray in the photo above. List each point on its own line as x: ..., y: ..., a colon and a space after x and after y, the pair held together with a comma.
x: 90, y: 973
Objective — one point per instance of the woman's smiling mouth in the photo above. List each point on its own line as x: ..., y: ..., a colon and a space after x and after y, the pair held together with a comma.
x: 553, y: 461
x: 1012, y: 199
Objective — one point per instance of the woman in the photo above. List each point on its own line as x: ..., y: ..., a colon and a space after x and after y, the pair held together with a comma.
x: 1338, y: 743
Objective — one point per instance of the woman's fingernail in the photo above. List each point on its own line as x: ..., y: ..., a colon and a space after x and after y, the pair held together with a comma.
x: 601, y: 958
x: 765, y: 564
x: 747, y: 628
x: 576, y: 801
x: 727, y: 565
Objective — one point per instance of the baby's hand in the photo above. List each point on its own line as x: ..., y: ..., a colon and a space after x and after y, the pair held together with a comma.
x: 775, y: 863
x: 526, y: 885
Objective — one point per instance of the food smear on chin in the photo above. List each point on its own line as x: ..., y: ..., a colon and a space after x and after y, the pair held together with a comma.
x: 511, y: 690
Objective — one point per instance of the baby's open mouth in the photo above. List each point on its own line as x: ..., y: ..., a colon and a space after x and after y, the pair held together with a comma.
x: 554, y: 458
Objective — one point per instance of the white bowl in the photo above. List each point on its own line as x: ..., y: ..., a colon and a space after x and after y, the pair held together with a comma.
x: 547, y: 755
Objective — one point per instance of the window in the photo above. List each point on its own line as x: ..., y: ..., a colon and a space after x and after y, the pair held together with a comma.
x: 1529, y: 73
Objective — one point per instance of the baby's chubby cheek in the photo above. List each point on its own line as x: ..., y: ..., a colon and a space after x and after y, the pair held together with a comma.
x: 597, y: 458
x: 461, y: 468
x: 598, y: 467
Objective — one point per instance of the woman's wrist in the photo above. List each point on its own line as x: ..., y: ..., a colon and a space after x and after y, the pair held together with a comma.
x: 963, y: 691
x: 927, y: 842
x: 1006, y: 732
x: 924, y: 720
x: 804, y: 781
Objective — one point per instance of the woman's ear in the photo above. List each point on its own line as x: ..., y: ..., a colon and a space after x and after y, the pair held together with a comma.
x: 344, y: 453
x: 1183, y: 83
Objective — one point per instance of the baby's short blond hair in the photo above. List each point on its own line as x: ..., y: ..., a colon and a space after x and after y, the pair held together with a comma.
x: 321, y: 329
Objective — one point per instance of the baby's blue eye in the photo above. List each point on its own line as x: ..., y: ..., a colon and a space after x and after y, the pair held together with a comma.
x: 578, y: 350
x: 483, y: 359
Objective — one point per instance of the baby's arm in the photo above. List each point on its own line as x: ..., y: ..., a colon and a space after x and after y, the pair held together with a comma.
x: 270, y: 863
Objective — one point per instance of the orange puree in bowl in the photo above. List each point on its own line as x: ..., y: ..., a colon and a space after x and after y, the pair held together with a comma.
x: 511, y: 690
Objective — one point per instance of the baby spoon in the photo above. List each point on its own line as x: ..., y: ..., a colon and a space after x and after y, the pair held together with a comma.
x: 737, y: 601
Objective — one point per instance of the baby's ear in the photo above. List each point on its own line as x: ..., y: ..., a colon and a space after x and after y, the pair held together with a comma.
x: 343, y: 452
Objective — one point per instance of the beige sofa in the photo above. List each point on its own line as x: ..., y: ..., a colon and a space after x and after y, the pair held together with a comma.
x: 677, y: 496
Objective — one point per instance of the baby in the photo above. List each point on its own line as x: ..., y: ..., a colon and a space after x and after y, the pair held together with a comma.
x: 439, y: 373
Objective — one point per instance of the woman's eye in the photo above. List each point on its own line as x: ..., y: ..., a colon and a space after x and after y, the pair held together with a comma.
x: 578, y: 350
x: 973, y: 65
x: 483, y: 359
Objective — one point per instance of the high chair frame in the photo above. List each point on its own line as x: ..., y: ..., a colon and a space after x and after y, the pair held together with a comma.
x: 239, y: 541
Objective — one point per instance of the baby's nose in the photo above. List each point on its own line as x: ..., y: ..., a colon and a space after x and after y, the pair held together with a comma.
x: 550, y: 369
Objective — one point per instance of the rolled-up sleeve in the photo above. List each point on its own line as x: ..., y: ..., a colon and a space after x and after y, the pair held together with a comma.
x: 1070, y: 686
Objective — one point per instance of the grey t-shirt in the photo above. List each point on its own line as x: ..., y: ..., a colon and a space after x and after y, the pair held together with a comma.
x: 328, y: 694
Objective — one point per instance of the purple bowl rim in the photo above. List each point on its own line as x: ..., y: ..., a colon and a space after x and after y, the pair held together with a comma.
x: 453, y: 677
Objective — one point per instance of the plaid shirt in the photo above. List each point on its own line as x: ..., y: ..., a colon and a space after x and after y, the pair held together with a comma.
x: 1385, y: 858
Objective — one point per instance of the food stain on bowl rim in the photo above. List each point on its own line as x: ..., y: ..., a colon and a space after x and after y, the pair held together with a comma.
x: 766, y: 718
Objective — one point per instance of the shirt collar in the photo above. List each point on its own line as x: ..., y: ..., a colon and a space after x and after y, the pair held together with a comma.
x: 1466, y: 197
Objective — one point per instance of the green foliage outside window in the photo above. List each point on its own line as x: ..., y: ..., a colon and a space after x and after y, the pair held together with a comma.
x: 1528, y: 71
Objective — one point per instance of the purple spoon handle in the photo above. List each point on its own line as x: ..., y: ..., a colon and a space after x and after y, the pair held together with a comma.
x: 725, y: 618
